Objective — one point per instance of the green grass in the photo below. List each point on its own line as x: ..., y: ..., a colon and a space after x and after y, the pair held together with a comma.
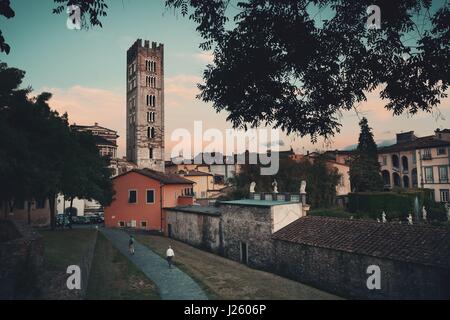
x: 330, y: 212
x: 114, y: 277
x: 66, y: 247
x: 222, y: 278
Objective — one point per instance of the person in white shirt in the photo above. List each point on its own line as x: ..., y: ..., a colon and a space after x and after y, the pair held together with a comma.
x: 170, y: 254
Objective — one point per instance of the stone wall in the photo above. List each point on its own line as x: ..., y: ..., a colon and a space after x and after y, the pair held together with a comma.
x: 252, y: 226
x: 22, y: 258
x: 199, y: 230
x: 345, y: 273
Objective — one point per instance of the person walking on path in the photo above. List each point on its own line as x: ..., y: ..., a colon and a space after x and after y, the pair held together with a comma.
x: 131, y: 244
x: 170, y: 254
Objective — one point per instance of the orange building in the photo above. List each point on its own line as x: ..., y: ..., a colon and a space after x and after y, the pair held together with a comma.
x: 141, y: 195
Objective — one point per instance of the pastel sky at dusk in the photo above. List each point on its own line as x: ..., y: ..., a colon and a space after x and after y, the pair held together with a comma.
x: 86, y: 72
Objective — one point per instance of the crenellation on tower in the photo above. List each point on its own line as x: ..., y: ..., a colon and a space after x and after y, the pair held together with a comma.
x: 145, y: 105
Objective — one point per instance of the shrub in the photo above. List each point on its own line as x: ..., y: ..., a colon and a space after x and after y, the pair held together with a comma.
x: 396, y: 204
x: 437, y: 212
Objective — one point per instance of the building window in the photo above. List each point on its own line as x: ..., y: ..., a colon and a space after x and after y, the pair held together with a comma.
x: 152, y: 132
x: 444, y: 193
x: 414, y: 159
x: 426, y: 154
x: 150, y: 153
x: 144, y: 224
x: 132, y: 196
x: 384, y: 160
x: 150, y: 116
x: 40, y: 203
x: 150, y: 196
x: 122, y: 224
x: 441, y: 151
x: 429, y: 175
x: 148, y: 132
x: 151, y: 100
x: 443, y: 174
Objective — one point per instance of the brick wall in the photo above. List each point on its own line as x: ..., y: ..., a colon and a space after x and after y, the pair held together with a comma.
x: 345, y: 273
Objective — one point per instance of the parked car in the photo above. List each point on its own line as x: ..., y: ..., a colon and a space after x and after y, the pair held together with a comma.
x: 81, y: 220
x: 97, y: 219
x: 62, y: 220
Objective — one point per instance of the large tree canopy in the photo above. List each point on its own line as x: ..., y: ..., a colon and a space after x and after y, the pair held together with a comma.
x: 277, y: 64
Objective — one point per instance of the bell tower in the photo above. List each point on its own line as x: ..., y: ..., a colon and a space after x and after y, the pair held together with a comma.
x: 145, y: 105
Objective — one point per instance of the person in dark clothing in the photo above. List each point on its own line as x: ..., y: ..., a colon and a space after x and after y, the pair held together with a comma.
x: 131, y: 245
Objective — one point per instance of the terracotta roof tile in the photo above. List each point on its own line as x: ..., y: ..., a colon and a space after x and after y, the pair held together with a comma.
x: 428, y: 245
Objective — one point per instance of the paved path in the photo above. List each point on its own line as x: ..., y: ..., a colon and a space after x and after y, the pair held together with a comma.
x: 173, y: 284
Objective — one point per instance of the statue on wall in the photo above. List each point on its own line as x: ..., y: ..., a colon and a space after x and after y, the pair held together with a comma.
x: 275, y: 186
x: 424, y: 213
x: 410, y: 220
x: 383, y: 217
x: 303, y: 187
x: 252, y: 187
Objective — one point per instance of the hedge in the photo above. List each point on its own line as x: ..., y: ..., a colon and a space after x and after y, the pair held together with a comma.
x: 396, y: 204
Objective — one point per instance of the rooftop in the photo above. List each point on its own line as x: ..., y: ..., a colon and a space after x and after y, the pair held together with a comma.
x: 418, y: 143
x: 428, y: 245
x: 165, y: 178
x: 256, y: 203
x: 195, y: 173
x: 207, y: 210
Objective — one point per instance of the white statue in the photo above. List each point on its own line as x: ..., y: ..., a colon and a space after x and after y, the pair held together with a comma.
x: 383, y: 217
x: 424, y: 213
x: 275, y: 186
x: 410, y: 222
x: 252, y: 187
x: 303, y: 187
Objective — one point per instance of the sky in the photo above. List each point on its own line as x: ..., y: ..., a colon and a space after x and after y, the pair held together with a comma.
x: 85, y: 70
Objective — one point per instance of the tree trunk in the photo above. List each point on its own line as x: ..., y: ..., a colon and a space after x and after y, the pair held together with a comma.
x: 29, y: 211
x: 70, y: 212
x: 51, y: 202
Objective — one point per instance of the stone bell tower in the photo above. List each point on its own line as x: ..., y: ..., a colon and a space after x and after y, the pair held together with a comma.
x: 145, y: 105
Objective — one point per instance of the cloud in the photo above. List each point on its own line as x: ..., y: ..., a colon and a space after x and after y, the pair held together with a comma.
x: 181, y: 89
x: 205, y: 56
x: 86, y: 105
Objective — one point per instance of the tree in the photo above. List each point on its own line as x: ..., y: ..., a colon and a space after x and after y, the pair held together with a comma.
x: 39, y: 152
x: 321, y: 180
x: 364, y: 167
x: 277, y: 64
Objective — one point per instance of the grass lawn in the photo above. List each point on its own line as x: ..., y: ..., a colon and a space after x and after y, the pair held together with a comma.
x: 113, y: 276
x: 62, y: 248
x: 65, y: 247
x: 226, y: 279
